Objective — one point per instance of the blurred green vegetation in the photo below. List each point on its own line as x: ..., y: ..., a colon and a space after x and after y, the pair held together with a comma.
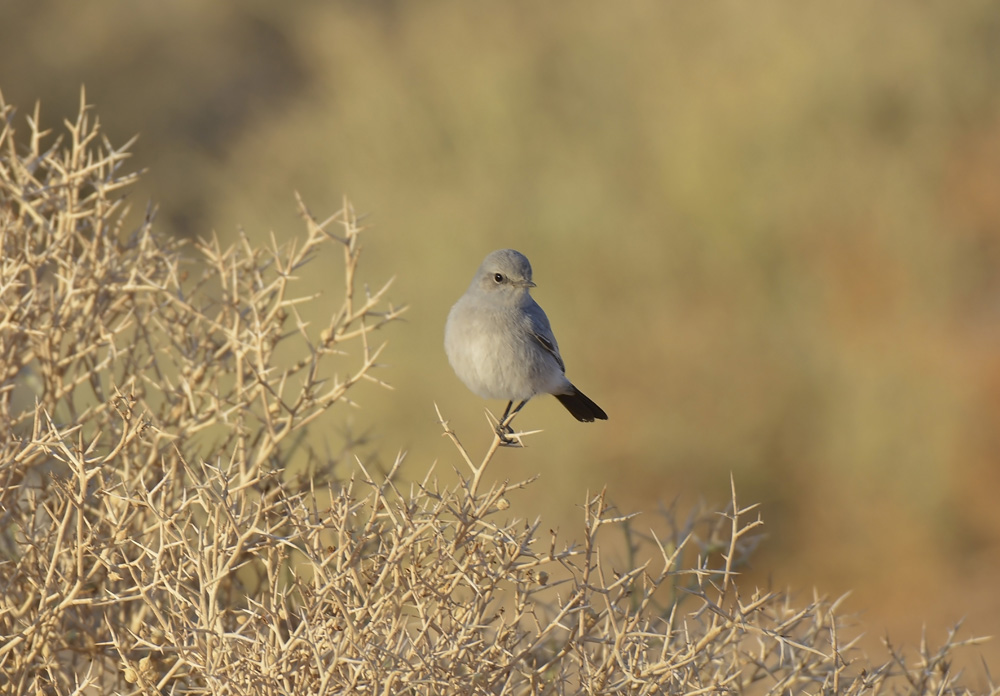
x: 768, y: 237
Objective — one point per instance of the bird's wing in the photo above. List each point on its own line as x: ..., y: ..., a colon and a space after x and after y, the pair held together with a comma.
x: 551, y: 348
x: 542, y: 332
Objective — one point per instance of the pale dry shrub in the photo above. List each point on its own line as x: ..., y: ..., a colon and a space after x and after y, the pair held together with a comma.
x: 154, y: 539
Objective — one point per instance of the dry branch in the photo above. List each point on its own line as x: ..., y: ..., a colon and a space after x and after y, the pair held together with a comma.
x: 158, y: 535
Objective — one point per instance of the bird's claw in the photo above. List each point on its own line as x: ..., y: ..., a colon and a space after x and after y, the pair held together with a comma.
x: 503, y: 432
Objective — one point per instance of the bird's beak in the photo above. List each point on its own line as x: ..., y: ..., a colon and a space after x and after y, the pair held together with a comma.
x: 526, y: 284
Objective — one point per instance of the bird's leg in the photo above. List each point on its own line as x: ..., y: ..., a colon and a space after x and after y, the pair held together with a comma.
x: 506, y: 411
x: 515, y: 411
x: 503, y: 429
x: 503, y: 426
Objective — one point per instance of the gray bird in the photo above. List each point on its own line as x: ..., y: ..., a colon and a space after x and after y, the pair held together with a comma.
x: 500, y: 344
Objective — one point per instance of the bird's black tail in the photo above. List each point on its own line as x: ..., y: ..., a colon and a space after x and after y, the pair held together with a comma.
x: 580, y: 405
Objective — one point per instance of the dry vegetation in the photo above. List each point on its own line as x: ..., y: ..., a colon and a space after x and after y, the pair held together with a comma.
x: 783, y: 217
x: 154, y: 539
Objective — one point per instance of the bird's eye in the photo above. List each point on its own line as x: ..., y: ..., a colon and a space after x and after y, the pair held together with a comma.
x: 498, y: 277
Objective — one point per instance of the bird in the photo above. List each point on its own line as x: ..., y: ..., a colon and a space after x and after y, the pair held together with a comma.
x: 500, y: 344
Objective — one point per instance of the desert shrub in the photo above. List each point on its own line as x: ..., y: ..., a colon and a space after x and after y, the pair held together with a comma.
x: 168, y: 526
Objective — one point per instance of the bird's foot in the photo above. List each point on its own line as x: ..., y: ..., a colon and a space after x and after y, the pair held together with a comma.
x: 504, y: 432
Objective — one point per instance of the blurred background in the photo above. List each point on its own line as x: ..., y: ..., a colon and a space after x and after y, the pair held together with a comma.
x: 767, y: 236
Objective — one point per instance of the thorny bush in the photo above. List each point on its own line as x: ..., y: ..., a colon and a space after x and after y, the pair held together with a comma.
x: 154, y: 537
